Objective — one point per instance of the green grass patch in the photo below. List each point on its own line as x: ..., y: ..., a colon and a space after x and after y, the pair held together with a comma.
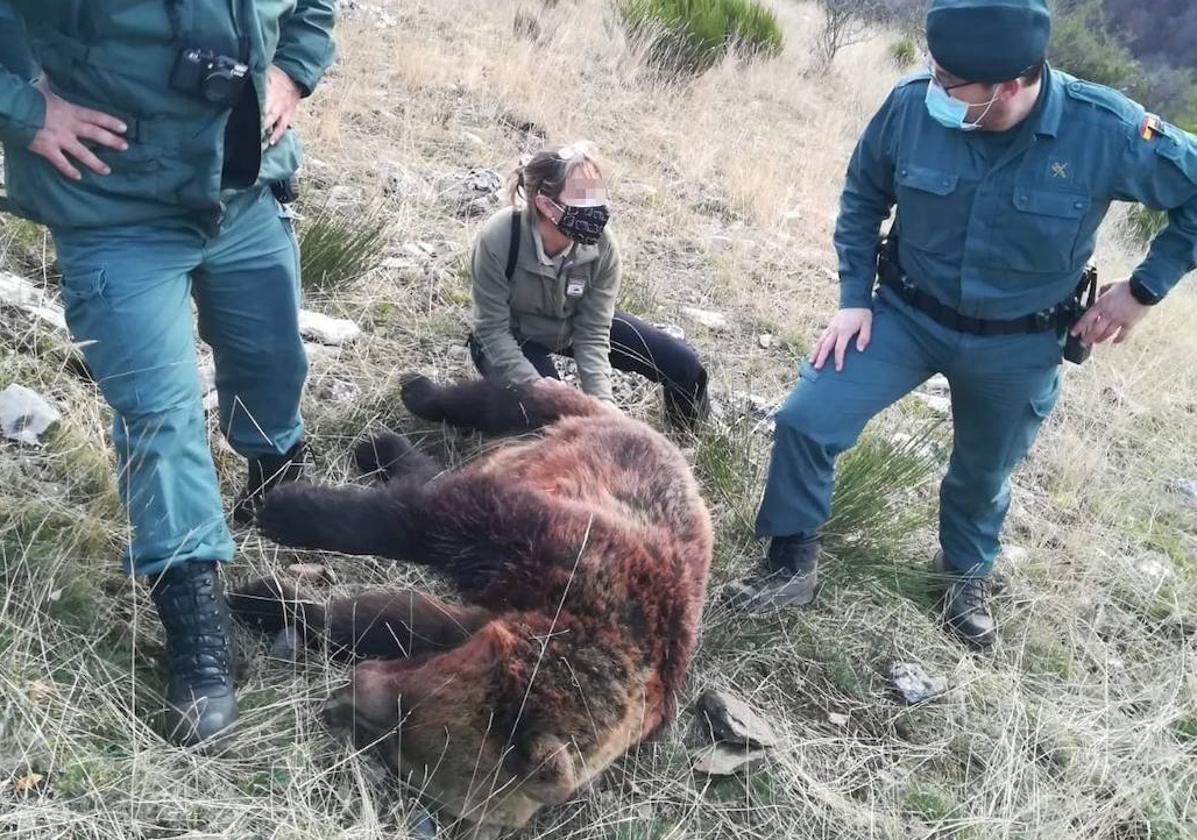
x: 879, y: 504
x: 337, y: 247
x: 691, y: 36
x: 904, y: 53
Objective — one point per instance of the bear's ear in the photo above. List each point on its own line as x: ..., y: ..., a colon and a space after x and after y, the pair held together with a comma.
x: 548, y: 772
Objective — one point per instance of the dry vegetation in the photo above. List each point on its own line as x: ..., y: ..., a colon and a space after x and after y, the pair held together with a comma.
x: 1082, y: 723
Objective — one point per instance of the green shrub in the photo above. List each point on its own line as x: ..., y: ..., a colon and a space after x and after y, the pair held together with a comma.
x: 337, y: 247
x: 903, y: 52
x: 1083, y: 44
x: 690, y: 36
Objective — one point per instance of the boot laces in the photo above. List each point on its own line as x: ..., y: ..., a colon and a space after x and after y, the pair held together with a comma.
x: 971, y: 593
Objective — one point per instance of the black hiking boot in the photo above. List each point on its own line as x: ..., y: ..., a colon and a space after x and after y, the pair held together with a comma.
x: 265, y: 474
x: 965, y: 611
x: 199, y: 651
x: 790, y: 579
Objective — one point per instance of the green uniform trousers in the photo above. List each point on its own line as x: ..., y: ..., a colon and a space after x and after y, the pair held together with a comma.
x: 1003, y: 387
x: 127, y: 292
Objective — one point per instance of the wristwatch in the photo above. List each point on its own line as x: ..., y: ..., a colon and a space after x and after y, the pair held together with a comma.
x: 1143, y: 294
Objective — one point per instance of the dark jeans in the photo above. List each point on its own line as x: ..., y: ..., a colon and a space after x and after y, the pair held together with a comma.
x: 638, y: 347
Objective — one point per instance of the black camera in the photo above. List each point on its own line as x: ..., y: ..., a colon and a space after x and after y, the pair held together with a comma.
x: 214, y: 78
x: 287, y: 190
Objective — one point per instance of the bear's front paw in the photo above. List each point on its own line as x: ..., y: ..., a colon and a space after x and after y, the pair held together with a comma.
x: 421, y: 396
x: 290, y: 515
x: 382, y: 453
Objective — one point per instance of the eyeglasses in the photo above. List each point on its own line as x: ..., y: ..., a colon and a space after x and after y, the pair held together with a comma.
x: 935, y: 78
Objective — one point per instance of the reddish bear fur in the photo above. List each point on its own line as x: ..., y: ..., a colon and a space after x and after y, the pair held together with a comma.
x: 581, y: 553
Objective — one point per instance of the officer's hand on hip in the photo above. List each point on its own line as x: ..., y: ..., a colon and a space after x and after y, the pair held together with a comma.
x: 1114, y: 314
x: 282, y: 102
x: 846, y: 325
x: 66, y: 127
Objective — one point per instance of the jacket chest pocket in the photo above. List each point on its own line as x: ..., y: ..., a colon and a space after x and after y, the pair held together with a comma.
x: 532, y: 294
x: 1040, y: 232
x: 930, y: 208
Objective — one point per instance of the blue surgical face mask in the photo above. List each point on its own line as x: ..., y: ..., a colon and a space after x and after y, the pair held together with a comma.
x: 951, y: 112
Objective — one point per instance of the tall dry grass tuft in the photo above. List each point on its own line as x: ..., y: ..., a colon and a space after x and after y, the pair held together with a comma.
x: 1082, y: 723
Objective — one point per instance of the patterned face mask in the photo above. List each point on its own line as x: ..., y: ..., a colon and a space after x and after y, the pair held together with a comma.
x: 583, y: 225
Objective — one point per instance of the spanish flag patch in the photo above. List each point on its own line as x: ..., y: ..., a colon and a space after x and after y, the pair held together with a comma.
x: 1149, y: 129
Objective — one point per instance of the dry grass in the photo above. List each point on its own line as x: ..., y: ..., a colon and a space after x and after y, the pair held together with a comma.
x: 1082, y: 723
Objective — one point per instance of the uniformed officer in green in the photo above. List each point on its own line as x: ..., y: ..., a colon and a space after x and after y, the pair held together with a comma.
x: 150, y: 137
x: 1001, y: 168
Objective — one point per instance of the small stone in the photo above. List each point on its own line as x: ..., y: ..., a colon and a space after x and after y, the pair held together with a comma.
x: 731, y: 720
x: 716, y: 321
x: 25, y: 415
x: 937, y: 404
x: 326, y: 330
x: 470, y: 137
x: 724, y: 759
x: 915, y: 684
x: 19, y: 292
x: 838, y: 719
x: 311, y: 573
x: 937, y: 384
x: 766, y: 341
x: 1187, y: 487
x: 794, y: 215
x: 1014, y: 555
x: 1156, y: 568
x: 339, y: 390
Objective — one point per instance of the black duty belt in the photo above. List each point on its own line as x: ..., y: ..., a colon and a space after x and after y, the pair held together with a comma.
x: 1059, y: 317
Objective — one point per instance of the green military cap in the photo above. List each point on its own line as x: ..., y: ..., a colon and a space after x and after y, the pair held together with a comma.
x: 988, y: 40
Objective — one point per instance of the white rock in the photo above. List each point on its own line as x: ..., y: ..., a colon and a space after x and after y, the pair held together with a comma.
x: 838, y: 719
x: 937, y: 384
x: 766, y: 341
x: 716, y: 321
x: 915, y: 684
x: 1157, y: 568
x: 940, y: 405
x: 1014, y: 555
x: 19, y: 292
x: 25, y: 415
x: 326, y: 330
x: 340, y: 391
x: 1187, y: 487
x: 472, y: 138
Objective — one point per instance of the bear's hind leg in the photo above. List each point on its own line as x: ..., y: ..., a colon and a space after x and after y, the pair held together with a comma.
x: 382, y: 623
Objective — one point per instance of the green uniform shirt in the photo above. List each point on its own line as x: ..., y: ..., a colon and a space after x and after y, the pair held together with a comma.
x: 1001, y: 227
x: 116, y: 56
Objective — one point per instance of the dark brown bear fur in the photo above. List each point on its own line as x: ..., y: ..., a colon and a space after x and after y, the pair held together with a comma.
x: 582, y: 555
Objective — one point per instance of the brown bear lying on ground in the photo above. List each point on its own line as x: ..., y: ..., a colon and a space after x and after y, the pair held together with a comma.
x: 582, y: 554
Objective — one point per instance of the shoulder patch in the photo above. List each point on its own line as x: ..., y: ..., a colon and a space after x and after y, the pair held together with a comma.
x: 1151, y: 127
